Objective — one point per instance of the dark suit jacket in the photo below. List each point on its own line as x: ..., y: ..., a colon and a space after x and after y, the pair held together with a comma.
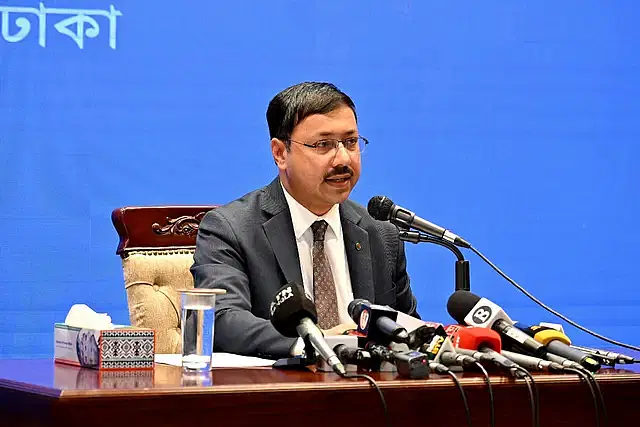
x: 248, y: 247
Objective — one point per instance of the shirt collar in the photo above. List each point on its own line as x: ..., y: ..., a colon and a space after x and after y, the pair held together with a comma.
x: 302, y: 218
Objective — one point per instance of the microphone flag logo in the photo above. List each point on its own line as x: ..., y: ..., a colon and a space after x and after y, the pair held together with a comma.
x: 482, y: 314
x: 364, y: 320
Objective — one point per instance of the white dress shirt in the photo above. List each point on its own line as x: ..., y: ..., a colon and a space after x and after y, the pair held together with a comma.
x: 302, y: 219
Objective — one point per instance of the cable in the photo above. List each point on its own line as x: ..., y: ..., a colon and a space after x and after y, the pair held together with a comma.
x: 531, y: 400
x: 533, y: 396
x: 599, y: 390
x: 600, y: 395
x: 549, y: 309
x: 464, y: 397
x: 585, y: 378
x: 417, y: 237
x: 375, y: 385
x: 492, y: 412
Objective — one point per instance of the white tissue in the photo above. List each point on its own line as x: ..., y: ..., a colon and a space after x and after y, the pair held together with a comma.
x: 81, y: 316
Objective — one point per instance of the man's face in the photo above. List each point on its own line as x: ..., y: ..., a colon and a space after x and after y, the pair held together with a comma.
x: 319, y: 180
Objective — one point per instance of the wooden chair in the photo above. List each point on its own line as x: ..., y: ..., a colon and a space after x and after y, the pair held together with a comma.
x: 156, y: 246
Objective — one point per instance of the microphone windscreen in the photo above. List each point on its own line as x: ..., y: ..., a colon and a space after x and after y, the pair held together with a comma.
x: 290, y: 305
x: 472, y: 338
x: 460, y: 304
x: 379, y: 207
x: 355, y: 308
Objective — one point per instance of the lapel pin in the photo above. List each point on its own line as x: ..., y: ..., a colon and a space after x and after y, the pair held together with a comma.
x: 358, y: 246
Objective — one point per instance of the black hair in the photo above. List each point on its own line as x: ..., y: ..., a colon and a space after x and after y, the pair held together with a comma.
x: 295, y: 103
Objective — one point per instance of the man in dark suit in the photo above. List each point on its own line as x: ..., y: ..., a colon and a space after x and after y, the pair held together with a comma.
x: 300, y: 228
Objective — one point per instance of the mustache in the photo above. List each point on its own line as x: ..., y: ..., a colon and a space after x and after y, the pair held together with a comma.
x: 340, y: 170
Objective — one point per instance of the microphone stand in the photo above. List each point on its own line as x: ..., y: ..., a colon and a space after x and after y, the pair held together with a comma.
x: 309, y: 357
x: 462, y: 281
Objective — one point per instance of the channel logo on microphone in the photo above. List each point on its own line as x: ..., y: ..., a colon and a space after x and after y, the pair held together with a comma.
x: 433, y: 348
x: 280, y: 297
x: 482, y: 314
x: 365, y: 316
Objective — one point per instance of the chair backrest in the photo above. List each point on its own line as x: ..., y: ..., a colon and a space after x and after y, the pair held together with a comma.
x: 156, y: 246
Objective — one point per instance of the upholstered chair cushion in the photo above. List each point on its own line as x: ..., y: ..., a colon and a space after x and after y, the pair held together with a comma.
x: 151, y: 279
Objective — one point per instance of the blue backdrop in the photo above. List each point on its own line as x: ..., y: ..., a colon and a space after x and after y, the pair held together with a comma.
x: 515, y: 124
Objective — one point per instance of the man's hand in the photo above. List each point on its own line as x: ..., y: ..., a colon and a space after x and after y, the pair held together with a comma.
x: 339, y: 329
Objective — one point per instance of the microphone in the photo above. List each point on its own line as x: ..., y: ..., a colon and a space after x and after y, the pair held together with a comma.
x: 377, y: 322
x: 482, y: 344
x: 565, y: 362
x: 558, y: 343
x: 383, y: 209
x: 420, y: 336
x: 474, y: 338
x: 617, y: 358
x: 534, y: 363
x: 293, y: 315
x: 468, y: 308
x: 462, y: 275
x: 357, y: 356
x: 602, y: 360
x: 410, y: 364
x: 440, y: 350
x: 488, y: 355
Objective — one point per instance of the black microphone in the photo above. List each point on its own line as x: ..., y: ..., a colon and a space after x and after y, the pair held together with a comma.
x: 377, y: 322
x: 616, y: 358
x: 410, y: 364
x: 560, y: 344
x: 293, y: 315
x: 469, y: 309
x: 383, y: 209
x: 420, y: 336
x: 440, y: 349
x: 357, y: 356
x: 565, y: 362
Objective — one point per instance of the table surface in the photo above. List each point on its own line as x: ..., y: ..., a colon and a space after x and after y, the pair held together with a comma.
x: 44, y: 393
x: 56, y: 379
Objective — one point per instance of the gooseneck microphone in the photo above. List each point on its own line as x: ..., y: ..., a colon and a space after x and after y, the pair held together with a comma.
x: 462, y: 274
x: 383, y: 209
x: 293, y: 315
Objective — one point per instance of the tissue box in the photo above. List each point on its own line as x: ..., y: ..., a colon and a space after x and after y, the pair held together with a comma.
x: 123, y: 347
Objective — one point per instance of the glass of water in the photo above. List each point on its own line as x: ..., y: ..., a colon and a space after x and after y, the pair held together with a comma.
x: 198, y: 319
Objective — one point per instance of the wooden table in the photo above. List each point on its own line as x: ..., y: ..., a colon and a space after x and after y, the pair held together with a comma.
x: 39, y: 392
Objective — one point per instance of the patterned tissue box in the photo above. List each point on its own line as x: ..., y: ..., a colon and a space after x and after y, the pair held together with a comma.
x: 123, y: 347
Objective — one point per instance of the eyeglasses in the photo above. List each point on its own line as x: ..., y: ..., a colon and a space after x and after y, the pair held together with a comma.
x: 355, y: 144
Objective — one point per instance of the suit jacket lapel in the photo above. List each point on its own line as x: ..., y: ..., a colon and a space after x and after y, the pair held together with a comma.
x: 356, y: 245
x: 279, y: 231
